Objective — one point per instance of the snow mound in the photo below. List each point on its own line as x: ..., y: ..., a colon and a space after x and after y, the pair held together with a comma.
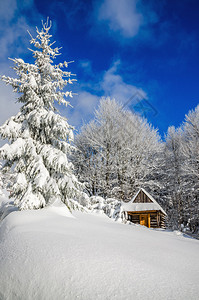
x: 59, y: 208
x: 45, y: 255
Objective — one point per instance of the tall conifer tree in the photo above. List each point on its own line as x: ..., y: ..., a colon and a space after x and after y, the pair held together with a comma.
x: 39, y: 137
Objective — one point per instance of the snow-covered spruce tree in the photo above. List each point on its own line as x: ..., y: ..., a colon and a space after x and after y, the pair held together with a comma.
x: 39, y: 137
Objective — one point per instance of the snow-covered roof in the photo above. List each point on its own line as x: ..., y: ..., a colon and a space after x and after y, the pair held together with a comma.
x: 134, y: 206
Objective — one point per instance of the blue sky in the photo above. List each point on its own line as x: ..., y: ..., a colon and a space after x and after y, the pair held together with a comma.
x: 120, y: 47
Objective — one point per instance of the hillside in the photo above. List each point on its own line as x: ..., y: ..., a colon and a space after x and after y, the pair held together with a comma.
x: 50, y: 254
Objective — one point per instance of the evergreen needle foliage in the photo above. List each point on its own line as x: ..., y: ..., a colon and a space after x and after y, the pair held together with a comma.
x: 39, y: 137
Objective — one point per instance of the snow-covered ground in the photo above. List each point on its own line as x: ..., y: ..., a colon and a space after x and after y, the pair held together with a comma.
x: 47, y: 254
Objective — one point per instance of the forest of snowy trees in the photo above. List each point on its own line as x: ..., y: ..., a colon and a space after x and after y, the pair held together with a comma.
x: 181, y: 171
x: 119, y: 152
x: 113, y: 156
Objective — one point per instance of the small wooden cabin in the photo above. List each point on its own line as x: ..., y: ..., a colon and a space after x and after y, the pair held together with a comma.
x: 144, y: 210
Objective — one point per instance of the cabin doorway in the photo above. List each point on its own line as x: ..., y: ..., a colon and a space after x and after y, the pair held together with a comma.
x: 144, y: 220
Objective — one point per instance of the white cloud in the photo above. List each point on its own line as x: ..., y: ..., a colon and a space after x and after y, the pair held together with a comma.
x: 114, y: 85
x: 7, y: 10
x: 86, y: 66
x: 14, y: 25
x: 121, y: 16
x: 83, y: 109
x: 8, y: 105
x: 13, y: 40
x: 110, y: 85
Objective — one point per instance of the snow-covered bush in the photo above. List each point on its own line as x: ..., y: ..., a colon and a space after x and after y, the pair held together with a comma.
x: 110, y: 207
x: 40, y: 139
x: 97, y: 204
x: 84, y: 200
x: 114, y: 209
x: 96, y: 200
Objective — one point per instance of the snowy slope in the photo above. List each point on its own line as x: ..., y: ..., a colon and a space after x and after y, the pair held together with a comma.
x: 47, y: 254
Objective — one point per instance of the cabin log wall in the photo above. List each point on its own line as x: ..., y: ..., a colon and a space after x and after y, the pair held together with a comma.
x: 156, y: 219
x: 142, y: 198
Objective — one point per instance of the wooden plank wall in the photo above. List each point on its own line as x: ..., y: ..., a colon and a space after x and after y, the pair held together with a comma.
x: 154, y: 223
x: 134, y: 218
x: 142, y: 198
x: 156, y: 218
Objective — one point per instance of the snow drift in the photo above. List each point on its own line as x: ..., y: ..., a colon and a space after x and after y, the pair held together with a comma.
x: 46, y: 254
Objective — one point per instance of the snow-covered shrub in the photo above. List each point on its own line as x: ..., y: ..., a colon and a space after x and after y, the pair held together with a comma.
x: 84, y: 200
x: 110, y: 206
x: 114, y: 209
x: 96, y: 199
x: 97, y: 204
